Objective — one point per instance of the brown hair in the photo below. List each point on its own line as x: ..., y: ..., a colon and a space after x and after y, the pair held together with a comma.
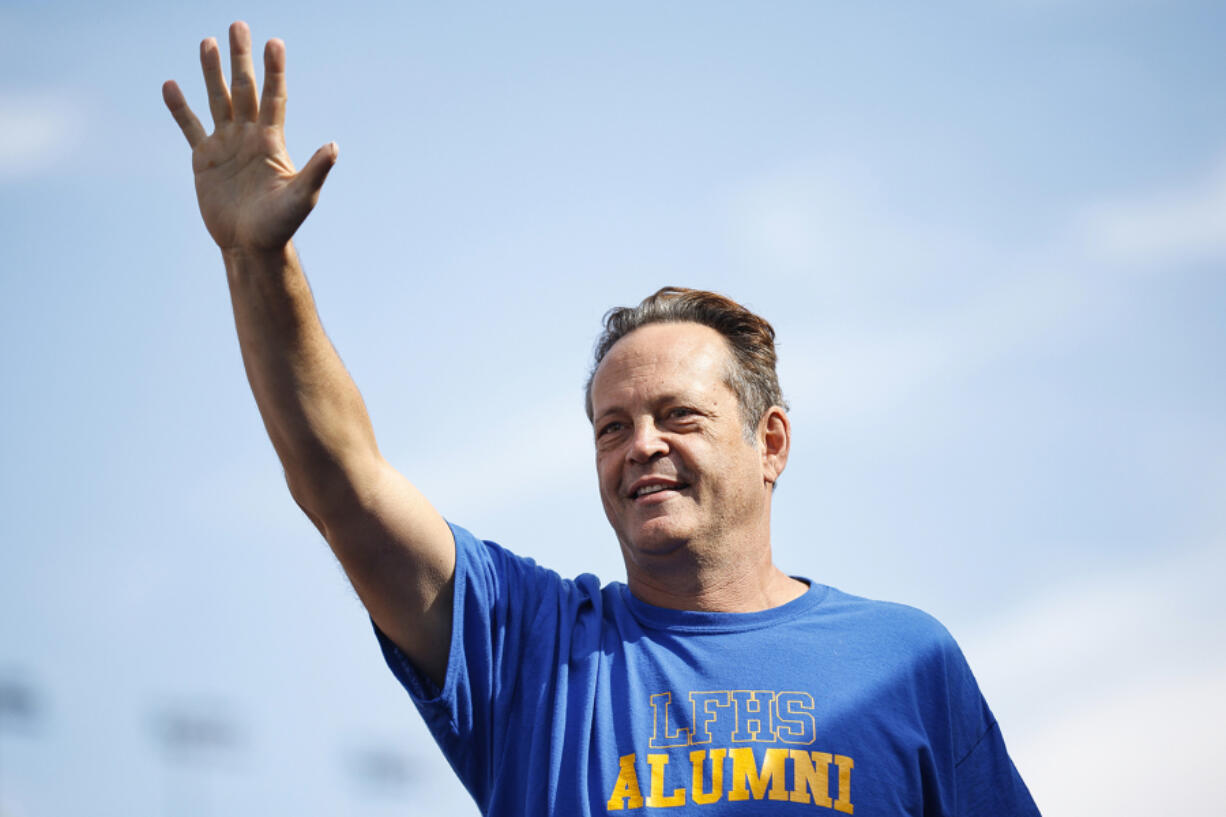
x: 750, y: 339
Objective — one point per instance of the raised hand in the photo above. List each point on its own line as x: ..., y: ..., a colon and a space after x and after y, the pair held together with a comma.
x: 250, y: 196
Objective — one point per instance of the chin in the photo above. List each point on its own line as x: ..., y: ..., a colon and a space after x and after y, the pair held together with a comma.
x: 655, y: 540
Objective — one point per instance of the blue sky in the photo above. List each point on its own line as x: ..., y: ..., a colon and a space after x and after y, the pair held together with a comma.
x: 991, y: 237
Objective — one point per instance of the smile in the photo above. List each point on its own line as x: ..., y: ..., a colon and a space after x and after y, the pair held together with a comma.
x: 657, y: 487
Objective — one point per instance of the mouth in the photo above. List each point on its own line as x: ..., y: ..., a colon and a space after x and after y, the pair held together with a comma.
x: 655, y: 487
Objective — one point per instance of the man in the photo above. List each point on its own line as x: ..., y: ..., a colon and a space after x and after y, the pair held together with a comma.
x: 711, y: 682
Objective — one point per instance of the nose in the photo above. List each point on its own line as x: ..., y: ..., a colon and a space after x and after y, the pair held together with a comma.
x: 647, y: 444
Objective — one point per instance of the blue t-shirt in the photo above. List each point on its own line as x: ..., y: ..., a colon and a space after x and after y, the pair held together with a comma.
x: 565, y: 698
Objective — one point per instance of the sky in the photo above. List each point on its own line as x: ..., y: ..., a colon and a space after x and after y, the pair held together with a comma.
x: 991, y: 237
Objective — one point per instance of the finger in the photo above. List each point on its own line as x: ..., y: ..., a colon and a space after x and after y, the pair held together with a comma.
x: 311, y: 178
x: 188, y: 123
x: 242, y: 73
x: 219, y: 95
x: 272, y: 102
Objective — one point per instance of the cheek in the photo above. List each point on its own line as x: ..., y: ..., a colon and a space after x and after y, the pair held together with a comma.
x: 606, y: 475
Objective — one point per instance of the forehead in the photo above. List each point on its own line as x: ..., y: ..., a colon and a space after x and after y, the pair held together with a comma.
x: 661, y: 358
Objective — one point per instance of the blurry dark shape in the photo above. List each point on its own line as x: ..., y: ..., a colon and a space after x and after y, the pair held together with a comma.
x: 379, y: 769
x: 197, y: 733
x: 19, y: 705
x: 197, y: 738
x: 20, y: 711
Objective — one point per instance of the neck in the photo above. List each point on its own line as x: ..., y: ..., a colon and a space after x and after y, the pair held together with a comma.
x: 738, y: 580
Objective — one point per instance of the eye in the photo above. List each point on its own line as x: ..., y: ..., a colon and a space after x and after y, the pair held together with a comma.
x: 681, y: 412
x: 608, y: 428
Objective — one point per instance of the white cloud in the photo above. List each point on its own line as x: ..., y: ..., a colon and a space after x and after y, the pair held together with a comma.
x: 1131, y: 624
x: 824, y: 227
x: 804, y: 217
x: 1165, y: 225
x: 539, y: 449
x: 1110, y: 692
x: 862, y: 370
x: 1152, y: 748
x: 36, y: 132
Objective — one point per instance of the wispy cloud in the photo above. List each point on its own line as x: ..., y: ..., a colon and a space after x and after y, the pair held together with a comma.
x: 36, y: 132
x: 1172, y: 224
x: 826, y: 229
x: 1069, y: 636
x: 804, y: 217
x: 859, y: 371
x: 1099, y: 682
x: 1147, y: 748
x: 542, y: 447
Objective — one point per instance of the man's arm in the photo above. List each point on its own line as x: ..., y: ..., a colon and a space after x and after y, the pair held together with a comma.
x: 395, y: 548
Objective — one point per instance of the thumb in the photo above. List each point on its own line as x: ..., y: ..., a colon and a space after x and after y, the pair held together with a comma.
x: 311, y: 177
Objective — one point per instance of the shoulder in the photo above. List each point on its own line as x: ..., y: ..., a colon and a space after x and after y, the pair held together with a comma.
x: 888, y: 632
x: 487, y: 568
x: 887, y: 617
x: 914, y: 650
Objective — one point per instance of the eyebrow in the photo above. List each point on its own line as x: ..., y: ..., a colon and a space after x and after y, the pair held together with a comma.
x: 670, y: 397
x: 606, y: 413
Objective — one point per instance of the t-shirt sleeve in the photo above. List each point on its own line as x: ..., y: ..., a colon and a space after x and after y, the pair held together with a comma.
x: 985, y: 781
x: 967, y: 772
x: 988, y: 784
x: 497, y: 598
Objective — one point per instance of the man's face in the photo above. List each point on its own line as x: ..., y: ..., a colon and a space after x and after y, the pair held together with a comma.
x: 674, y: 466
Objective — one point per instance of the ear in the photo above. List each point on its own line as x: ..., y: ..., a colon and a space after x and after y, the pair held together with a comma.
x: 774, y: 441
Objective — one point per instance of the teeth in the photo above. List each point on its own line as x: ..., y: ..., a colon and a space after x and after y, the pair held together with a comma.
x: 652, y: 489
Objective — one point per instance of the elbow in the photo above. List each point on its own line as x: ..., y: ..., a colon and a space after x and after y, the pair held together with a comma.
x: 308, y: 498
x: 327, y: 492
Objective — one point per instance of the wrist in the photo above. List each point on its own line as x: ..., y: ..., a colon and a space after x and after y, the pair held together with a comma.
x: 242, y: 257
x: 247, y: 267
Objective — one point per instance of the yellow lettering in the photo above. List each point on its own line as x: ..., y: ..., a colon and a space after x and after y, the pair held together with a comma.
x: 794, y: 718
x: 845, y: 765
x: 698, y: 791
x: 811, y: 775
x: 753, y: 715
x: 657, y: 799
x: 740, y: 716
x: 704, y: 705
x: 626, y: 792
x: 744, y: 770
x: 660, y: 737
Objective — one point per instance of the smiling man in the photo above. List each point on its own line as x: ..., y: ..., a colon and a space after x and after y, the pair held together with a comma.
x: 711, y: 682
x: 686, y: 471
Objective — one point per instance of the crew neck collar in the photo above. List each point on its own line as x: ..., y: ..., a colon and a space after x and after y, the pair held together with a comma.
x: 665, y: 618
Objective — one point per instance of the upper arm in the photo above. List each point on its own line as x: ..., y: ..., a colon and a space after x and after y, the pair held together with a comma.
x: 400, y: 555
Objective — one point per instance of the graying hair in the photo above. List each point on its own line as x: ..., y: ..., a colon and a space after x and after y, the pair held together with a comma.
x: 751, y: 340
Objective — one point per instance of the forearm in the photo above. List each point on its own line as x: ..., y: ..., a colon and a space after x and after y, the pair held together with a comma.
x: 310, y: 405
x: 396, y: 548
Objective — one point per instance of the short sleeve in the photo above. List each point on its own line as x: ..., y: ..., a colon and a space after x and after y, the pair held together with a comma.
x: 495, y: 608
x: 985, y: 781
x: 972, y: 771
x: 988, y: 784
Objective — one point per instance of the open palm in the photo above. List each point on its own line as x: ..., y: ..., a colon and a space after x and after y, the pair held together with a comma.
x: 250, y: 196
